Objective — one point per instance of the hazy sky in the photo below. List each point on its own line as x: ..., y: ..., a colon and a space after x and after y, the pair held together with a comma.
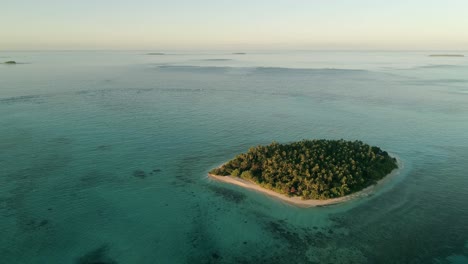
x: 234, y: 24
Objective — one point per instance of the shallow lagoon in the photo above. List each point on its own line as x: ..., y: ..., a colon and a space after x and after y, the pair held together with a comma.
x: 105, y: 156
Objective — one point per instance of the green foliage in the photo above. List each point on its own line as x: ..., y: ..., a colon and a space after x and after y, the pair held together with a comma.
x: 312, y: 169
x: 246, y: 175
x: 235, y: 173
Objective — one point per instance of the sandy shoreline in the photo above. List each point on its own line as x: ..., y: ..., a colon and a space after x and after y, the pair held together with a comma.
x: 297, y: 201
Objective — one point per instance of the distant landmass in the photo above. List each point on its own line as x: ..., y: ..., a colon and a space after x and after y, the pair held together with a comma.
x: 156, y: 53
x: 310, y: 169
x: 10, y: 62
x: 239, y: 53
x: 446, y: 55
x: 217, y: 60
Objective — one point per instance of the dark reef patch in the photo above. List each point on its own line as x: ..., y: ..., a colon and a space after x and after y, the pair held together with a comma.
x: 36, y: 225
x: 281, y: 231
x: 217, y: 60
x: 21, y: 99
x: 228, y: 194
x: 215, y: 255
x: 104, y: 147
x: 94, y: 178
x: 184, y: 178
x: 155, y: 171
x: 139, y: 174
x: 96, y: 256
x: 184, y: 172
x: 91, y: 179
x: 204, y: 245
x: 185, y: 175
x: 62, y: 140
x: 295, y: 245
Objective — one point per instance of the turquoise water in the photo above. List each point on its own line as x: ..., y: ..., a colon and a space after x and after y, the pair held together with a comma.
x: 104, y: 156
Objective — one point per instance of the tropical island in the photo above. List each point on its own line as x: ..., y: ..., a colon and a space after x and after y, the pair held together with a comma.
x: 309, y: 172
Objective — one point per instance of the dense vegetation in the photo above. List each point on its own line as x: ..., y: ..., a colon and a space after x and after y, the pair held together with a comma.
x: 311, y: 169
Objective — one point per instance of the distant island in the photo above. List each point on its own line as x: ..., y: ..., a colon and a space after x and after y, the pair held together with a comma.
x: 156, y: 53
x: 320, y: 170
x: 239, y: 53
x: 10, y: 62
x: 446, y: 55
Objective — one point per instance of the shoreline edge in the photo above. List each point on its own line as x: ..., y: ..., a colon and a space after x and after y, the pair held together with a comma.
x: 298, y: 201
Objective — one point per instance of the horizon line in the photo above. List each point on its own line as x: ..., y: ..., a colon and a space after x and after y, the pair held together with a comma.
x: 234, y: 50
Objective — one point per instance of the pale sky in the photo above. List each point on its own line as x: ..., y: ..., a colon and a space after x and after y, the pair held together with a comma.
x: 234, y: 24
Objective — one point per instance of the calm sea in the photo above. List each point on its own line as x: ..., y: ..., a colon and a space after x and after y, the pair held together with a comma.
x: 104, y: 156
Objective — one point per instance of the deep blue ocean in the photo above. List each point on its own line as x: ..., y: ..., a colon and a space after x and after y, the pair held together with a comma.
x: 104, y: 156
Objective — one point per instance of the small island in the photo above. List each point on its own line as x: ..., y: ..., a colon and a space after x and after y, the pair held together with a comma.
x: 10, y: 62
x: 309, y: 172
x: 446, y: 55
x: 156, y: 53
